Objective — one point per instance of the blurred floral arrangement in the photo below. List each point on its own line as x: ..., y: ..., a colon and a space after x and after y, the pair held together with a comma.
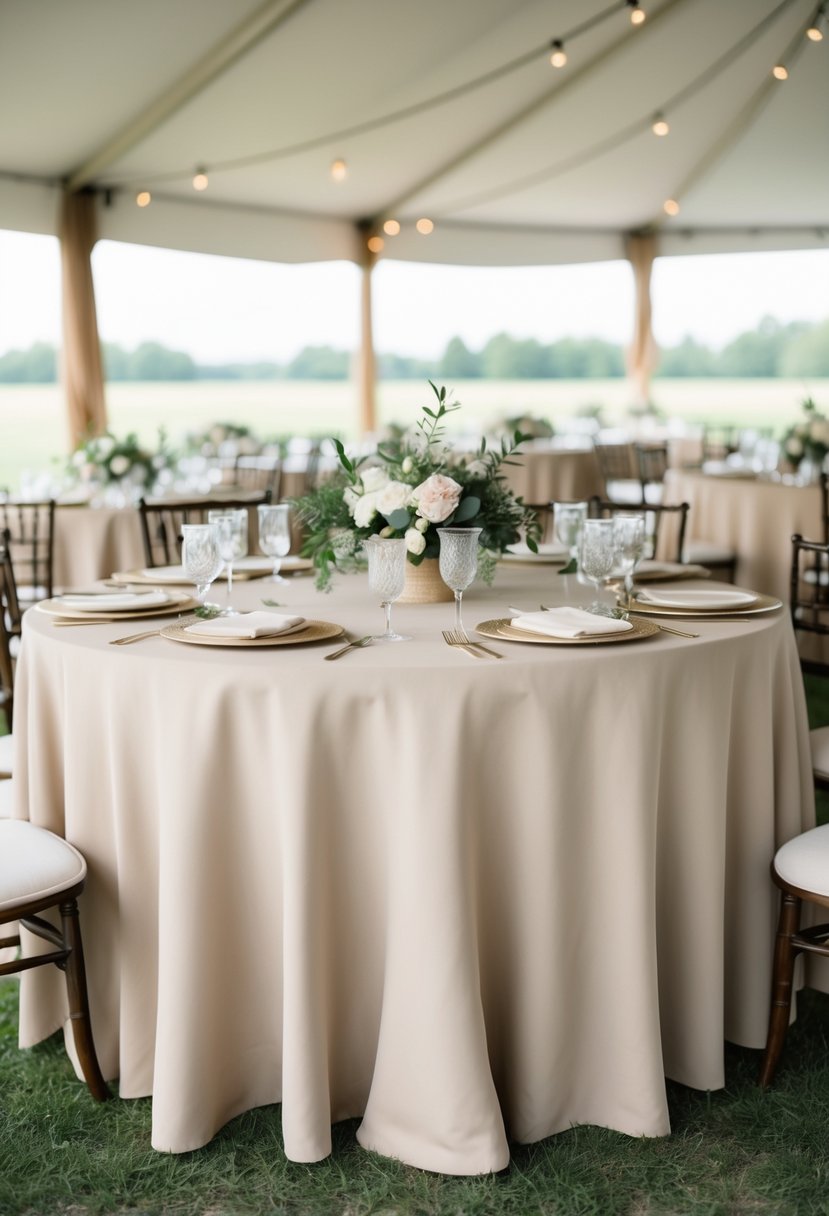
x: 530, y: 426
x: 808, y: 438
x: 413, y: 486
x: 223, y: 438
x: 105, y: 460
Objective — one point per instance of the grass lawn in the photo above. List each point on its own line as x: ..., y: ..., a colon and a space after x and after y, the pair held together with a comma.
x: 34, y: 435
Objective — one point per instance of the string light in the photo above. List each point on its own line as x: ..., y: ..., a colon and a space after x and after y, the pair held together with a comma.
x: 780, y: 72
x: 670, y: 206
x: 339, y: 170
x: 637, y: 14
x: 376, y: 244
x: 200, y: 180
x: 559, y: 56
x: 659, y: 126
x: 814, y: 34
x: 425, y: 226
x: 391, y: 227
x: 143, y: 198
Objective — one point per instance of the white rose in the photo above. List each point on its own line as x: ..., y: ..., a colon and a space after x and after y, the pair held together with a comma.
x: 422, y: 524
x: 105, y: 446
x: 351, y: 498
x: 374, y: 479
x: 407, y: 465
x: 415, y: 541
x: 365, y: 510
x: 437, y: 497
x: 393, y: 496
x: 118, y: 466
x: 478, y: 469
x: 386, y: 532
x: 794, y: 447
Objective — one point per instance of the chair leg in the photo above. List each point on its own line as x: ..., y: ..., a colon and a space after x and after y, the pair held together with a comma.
x: 79, y: 1002
x: 781, y: 985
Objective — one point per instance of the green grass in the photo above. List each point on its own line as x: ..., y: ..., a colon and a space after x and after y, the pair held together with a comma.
x: 734, y: 1152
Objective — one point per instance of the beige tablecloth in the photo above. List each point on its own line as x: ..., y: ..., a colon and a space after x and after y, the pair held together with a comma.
x: 546, y: 474
x: 468, y: 901
x: 91, y: 542
x: 755, y: 518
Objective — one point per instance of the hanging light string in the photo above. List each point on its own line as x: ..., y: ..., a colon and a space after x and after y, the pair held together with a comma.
x: 628, y: 132
x: 384, y: 120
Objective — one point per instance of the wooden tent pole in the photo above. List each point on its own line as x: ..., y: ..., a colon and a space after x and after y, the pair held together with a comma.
x: 366, y: 363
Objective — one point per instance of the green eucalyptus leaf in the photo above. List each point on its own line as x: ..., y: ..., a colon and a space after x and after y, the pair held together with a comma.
x: 467, y: 508
x: 571, y: 567
x: 399, y: 519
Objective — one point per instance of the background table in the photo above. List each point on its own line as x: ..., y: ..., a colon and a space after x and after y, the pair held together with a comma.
x: 754, y: 517
x: 548, y: 472
x: 466, y: 900
x: 91, y: 542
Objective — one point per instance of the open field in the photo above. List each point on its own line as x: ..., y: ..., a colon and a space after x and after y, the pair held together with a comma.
x: 33, y: 428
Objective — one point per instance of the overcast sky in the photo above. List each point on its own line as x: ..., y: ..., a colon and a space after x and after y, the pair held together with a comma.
x: 223, y: 309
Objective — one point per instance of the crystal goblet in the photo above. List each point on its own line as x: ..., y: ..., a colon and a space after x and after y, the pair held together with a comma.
x: 386, y: 577
x: 201, y: 557
x: 597, y: 550
x: 568, y: 521
x: 629, y: 539
x: 458, y: 562
x: 233, y: 540
x: 275, y: 534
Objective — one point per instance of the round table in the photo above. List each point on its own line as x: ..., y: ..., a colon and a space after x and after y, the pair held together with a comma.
x: 545, y: 472
x: 468, y: 900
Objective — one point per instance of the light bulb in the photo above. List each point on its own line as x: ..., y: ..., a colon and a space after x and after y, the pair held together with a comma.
x: 376, y: 243
x: 391, y: 227
x: 425, y: 226
x: 779, y: 72
x: 814, y: 34
x: 637, y: 14
x: 670, y: 206
x: 559, y: 55
x: 143, y: 198
x: 339, y: 170
x: 200, y: 180
x: 660, y: 126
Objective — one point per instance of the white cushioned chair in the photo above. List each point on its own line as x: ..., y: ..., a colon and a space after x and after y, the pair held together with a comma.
x: 39, y: 871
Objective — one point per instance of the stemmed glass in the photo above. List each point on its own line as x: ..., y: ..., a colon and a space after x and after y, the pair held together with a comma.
x: 597, y: 553
x: 568, y: 519
x: 232, y: 528
x: 458, y: 562
x: 275, y: 534
x: 201, y: 558
x: 629, y: 538
x: 386, y: 576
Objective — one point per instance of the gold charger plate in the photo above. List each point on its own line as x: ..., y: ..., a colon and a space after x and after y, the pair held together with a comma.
x: 145, y: 577
x: 314, y: 631
x: 179, y: 602
x: 762, y: 605
x: 503, y: 630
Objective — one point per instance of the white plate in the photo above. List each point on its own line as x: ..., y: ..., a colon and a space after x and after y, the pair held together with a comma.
x: 699, y: 599
x: 548, y: 554
x: 125, y: 601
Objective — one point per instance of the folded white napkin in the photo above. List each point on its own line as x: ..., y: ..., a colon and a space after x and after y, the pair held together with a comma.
x: 569, y: 623
x: 247, y: 625
x: 702, y: 599
x: 116, y: 602
x: 167, y: 574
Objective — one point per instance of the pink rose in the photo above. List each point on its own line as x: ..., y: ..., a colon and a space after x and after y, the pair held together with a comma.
x: 437, y: 497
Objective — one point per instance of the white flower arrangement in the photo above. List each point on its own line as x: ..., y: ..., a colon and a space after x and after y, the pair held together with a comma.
x: 808, y: 438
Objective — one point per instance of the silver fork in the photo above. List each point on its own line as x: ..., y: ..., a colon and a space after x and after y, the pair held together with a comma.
x: 355, y: 645
x: 459, y: 637
x: 151, y: 633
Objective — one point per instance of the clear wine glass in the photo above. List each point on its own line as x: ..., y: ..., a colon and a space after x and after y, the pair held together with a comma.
x: 458, y: 562
x: 201, y: 558
x: 233, y: 541
x: 568, y: 521
x: 386, y: 576
x: 597, y: 551
x: 629, y: 538
x: 275, y: 534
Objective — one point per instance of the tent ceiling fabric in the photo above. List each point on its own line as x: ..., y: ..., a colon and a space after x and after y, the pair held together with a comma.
x: 537, y: 166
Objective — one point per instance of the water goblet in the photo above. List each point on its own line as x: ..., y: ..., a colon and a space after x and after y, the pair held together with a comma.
x: 233, y: 540
x: 458, y: 562
x: 629, y: 538
x: 386, y: 577
x: 201, y: 558
x: 275, y: 534
x: 568, y: 520
x: 597, y: 550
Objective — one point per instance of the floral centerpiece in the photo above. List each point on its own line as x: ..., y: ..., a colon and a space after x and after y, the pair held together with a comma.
x: 809, y: 438
x: 414, y: 486
x: 222, y: 437
x: 105, y: 460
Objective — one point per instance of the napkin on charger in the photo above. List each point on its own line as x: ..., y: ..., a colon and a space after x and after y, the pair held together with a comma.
x: 117, y: 602
x: 247, y: 625
x: 569, y: 623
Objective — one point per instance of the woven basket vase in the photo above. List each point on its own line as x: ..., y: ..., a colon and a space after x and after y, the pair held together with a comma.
x: 424, y: 584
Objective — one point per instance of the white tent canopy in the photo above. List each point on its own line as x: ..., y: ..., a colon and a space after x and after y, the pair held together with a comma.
x: 515, y: 162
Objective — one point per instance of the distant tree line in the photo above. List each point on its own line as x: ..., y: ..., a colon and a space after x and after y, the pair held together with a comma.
x: 772, y: 349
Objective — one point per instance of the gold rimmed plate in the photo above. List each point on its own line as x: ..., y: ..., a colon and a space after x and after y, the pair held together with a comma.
x: 761, y: 605
x: 504, y: 630
x: 177, y: 601
x: 174, y: 575
x: 312, y: 631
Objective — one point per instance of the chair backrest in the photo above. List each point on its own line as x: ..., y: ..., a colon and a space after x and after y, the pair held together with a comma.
x: 7, y: 630
x: 809, y: 585
x: 260, y: 473
x: 652, y: 459
x: 9, y: 600
x: 31, y: 543
x: 665, y: 524
x: 824, y: 507
x: 161, y: 521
